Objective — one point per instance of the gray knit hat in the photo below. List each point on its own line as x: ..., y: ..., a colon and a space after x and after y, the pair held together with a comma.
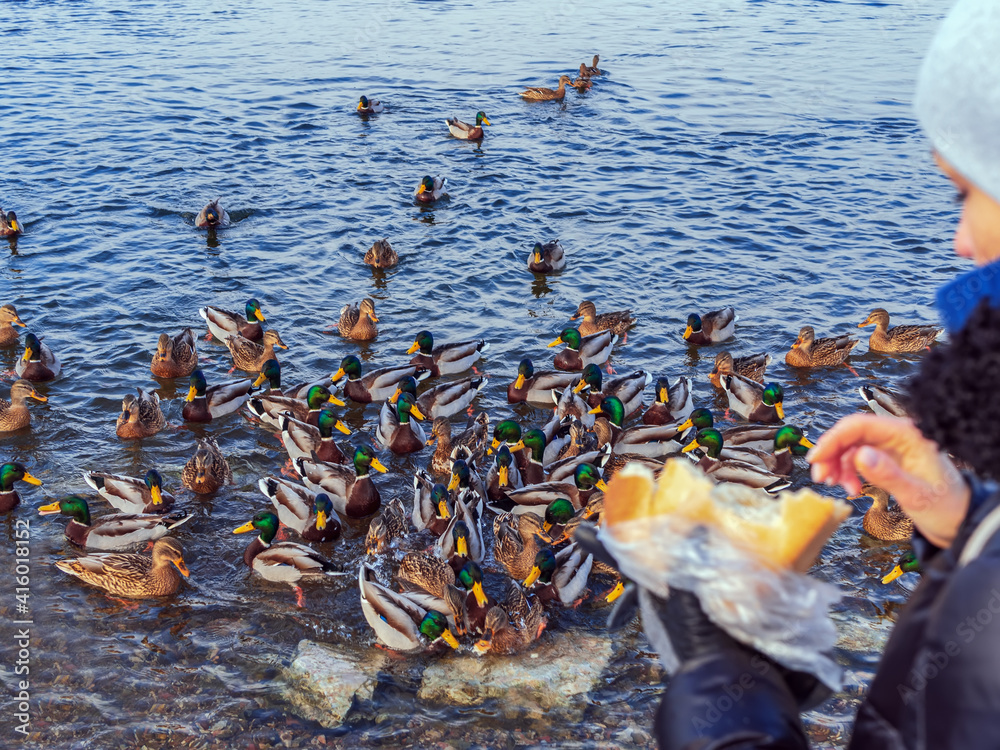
x: 958, y: 95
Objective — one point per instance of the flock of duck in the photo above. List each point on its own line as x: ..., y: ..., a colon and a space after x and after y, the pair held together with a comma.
x: 496, y: 500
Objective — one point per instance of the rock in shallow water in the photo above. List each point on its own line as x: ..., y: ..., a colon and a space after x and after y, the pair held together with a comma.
x: 324, y: 680
x: 557, y: 673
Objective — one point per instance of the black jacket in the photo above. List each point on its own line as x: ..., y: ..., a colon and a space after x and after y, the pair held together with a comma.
x: 937, y: 686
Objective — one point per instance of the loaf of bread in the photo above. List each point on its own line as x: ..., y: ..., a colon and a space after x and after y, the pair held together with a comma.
x: 787, y: 531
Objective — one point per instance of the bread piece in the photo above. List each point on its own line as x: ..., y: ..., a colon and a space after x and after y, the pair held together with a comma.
x: 783, y: 532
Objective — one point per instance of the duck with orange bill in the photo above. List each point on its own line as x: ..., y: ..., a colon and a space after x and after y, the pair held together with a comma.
x: 581, y: 351
x: 907, y: 563
x: 445, y: 359
x: 399, y: 429
x: 212, y: 216
x: 500, y: 633
x: 8, y: 319
x: 430, y: 189
x: 711, y: 328
x: 132, y: 575
x: 14, y: 414
x: 751, y: 366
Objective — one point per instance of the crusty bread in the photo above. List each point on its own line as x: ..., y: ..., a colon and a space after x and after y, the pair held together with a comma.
x: 784, y: 532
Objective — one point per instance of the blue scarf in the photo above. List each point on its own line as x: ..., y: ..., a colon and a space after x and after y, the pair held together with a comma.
x: 957, y: 299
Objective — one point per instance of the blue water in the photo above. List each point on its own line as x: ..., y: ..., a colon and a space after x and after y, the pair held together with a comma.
x: 763, y: 155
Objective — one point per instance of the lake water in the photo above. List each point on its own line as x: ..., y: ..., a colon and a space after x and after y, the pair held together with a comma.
x: 758, y: 154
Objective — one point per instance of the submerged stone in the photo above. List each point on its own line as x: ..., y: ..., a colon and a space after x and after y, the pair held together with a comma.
x: 323, y: 680
x: 556, y: 673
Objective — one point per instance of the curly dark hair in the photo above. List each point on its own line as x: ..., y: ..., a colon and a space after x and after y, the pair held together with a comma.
x: 955, y: 397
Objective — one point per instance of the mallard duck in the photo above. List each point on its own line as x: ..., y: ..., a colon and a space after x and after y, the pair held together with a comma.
x: 38, y: 364
x: 381, y: 254
x: 397, y: 431
x: 516, y: 541
x: 14, y: 413
x: 545, y: 95
x: 224, y: 323
x: 369, y: 105
x: 445, y: 359
x: 282, y: 562
x: 651, y: 441
x: 388, y: 526
x: 430, y: 189
x: 477, y: 603
x: 884, y: 401
x: 534, y: 498
x: 711, y: 328
x: 271, y: 372
x: 560, y: 576
x: 175, y: 357
x: 581, y: 84
x: 212, y: 216
x: 431, y: 500
x: 777, y: 457
x: 887, y: 524
x: 582, y: 351
x: 8, y: 319
x: 583, y: 73
x: 904, y: 339
x: 729, y: 470
x: 140, y: 417
x: 357, y: 320
x: 444, y: 400
x: 752, y: 367
x: 593, y: 70
x: 619, y: 322
x: 421, y: 572
x: 206, y: 403
x: 547, y: 258
x: 129, y: 494
x: 132, y: 575
x: 12, y: 472
x: 753, y: 401
x: 628, y: 388
x: 564, y: 468
x: 500, y: 636
x: 272, y: 409
x: 532, y: 448
x: 377, y: 385
x: 303, y: 440
x: 502, y: 476
x: 116, y: 531
x: 673, y: 403
x: 538, y: 388
x: 508, y: 432
x: 350, y: 486
x: 207, y: 470
x: 466, y: 484
x: 398, y: 620
x: 907, y: 563
x: 467, y: 132
x: 569, y: 407
x: 9, y: 226
x: 309, y: 514
x: 250, y: 356
x: 558, y: 514
x: 809, y: 351
x: 473, y: 438
x: 462, y: 539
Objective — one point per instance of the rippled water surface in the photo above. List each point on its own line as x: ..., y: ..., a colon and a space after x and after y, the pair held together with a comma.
x: 757, y: 154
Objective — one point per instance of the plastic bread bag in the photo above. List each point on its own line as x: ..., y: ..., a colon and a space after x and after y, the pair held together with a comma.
x: 742, y: 552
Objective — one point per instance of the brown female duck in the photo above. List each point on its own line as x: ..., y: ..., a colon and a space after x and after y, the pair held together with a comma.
x: 809, y: 351
x: 140, y: 417
x: 176, y: 357
x: 887, y: 524
x: 617, y: 322
x: 207, y: 470
x: 752, y: 366
x: 133, y: 575
x: 14, y: 413
x: 546, y: 95
x: 357, y: 321
x: 381, y: 254
x: 905, y: 339
x: 9, y: 319
x: 250, y: 356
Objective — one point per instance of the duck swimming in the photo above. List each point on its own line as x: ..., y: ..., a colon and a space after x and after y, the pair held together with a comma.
x: 369, y: 105
x: 9, y: 319
x: 546, y: 95
x: 711, y: 328
x: 212, y: 216
x: 224, y: 323
x: 9, y: 226
x: 38, y: 364
x: 547, y: 258
x: 430, y: 189
x: 465, y: 131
